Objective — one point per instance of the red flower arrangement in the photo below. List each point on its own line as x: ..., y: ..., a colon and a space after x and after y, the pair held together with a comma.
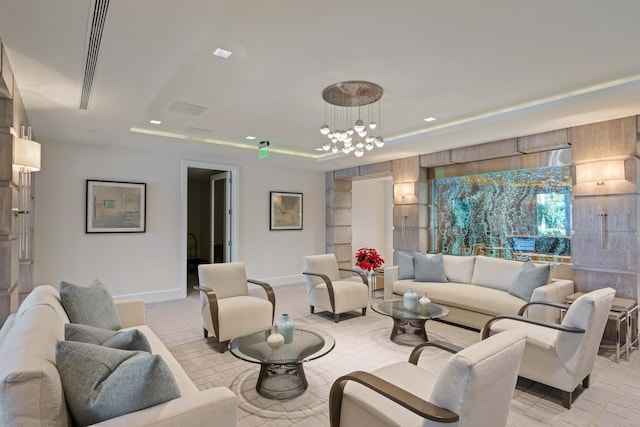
x: 368, y: 259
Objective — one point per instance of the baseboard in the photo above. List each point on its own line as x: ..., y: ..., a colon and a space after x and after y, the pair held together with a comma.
x: 155, y: 296
x: 284, y: 280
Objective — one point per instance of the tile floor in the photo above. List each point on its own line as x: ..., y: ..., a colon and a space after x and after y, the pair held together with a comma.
x: 362, y: 343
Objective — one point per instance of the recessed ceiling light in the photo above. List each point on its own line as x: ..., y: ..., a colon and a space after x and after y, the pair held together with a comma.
x: 251, y: 137
x: 155, y: 122
x: 222, y: 53
x: 430, y: 119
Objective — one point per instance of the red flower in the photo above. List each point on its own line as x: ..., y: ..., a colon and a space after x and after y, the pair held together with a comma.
x: 368, y: 259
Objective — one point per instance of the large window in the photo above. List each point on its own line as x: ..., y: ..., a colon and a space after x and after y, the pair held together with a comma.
x: 517, y: 214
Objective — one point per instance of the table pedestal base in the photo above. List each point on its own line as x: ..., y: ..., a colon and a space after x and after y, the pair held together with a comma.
x: 281, y: 382
x: 409, y: 332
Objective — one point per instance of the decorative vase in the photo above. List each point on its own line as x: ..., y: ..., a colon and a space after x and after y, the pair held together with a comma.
x: 285, y: 328
x: 275, y: 340
x: 410, y: 299
x: 424, y: 301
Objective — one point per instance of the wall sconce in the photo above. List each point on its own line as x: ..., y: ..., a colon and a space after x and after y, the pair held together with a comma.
x: 404, y: 190
x: 600, y: 173
x: 26, y: 159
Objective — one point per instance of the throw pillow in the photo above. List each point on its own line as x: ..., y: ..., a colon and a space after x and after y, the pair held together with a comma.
x: 528, y: 278
x: 102, y: 383
x: 91, y: 305
x: 429, y: 269
x: 405, y: 266
x: 131, y: 339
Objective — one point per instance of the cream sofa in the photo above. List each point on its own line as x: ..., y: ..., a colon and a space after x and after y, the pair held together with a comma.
x: 31, y: 391
x: 477, y: 289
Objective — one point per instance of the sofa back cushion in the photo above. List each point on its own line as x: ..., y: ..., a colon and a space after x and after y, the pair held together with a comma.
x: 459, y: 269
x: 90, y: 305
x: 494, y: 272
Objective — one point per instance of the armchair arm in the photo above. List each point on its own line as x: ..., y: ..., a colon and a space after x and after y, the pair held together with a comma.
x: 547, y: 303
x: 359, y: 273
x: 442, y: 345
x: 270, y: 295
x: 487, y: 327
x: 131, y: 312
x: 213, y: 306
x: 326, y: 279
x: 390, y: 391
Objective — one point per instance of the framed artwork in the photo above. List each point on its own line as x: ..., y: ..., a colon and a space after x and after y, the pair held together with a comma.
x: 286, y: 211
x: 116, y: 207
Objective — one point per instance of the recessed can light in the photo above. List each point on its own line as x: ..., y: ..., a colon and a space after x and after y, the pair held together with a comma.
x: 222, y: 53
x: 251, y: 137
x: 155, y: 122
x: 430, y: 119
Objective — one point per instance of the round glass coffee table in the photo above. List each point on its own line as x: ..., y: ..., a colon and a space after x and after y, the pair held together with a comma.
x: 409, y: 324
x: 281, y: 374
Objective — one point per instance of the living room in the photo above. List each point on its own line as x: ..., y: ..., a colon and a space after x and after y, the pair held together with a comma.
x: 151, y: 265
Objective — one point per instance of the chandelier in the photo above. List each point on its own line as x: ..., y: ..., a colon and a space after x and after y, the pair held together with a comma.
x: 352, y: 126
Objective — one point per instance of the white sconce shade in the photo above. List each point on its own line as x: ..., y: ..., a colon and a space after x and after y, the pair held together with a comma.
x: 26, y: 155
x: 600, y: 171
x: 404, y: 189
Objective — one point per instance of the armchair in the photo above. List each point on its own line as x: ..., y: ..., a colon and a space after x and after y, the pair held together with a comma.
x: 474, y: 388
x: 329, y: 291
x: 560, y: 355
x: 227, y: 308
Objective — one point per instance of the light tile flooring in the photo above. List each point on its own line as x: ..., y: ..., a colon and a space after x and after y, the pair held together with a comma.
x: 362, y: 343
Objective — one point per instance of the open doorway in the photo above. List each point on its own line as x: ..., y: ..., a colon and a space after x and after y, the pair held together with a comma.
x: 208, y: 223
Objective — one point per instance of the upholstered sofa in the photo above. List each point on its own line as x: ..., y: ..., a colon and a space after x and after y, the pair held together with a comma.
x: 31, y: 392
x: 477, y: 288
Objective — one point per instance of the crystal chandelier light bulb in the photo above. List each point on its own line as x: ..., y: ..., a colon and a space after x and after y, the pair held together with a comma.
x: 372, y: 125
x: 324, y: 129
x: 347, y: 143
x: 369, y: 146
x: 359, y: 152
x: 334, y: 139
x: 359, y: 126
x: 379, y: 141
x: 334, y: 148
x: 362, y: 133
x: 359, y: 144
x: 345, y: 150
x: 326, y: 146
x: 369, y: 139
x: 330, y: 135
x: 350, y: 132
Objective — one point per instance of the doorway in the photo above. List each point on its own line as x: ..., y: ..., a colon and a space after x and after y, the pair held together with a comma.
x: 208, y: 223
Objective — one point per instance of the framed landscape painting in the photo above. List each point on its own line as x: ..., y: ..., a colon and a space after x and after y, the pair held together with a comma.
x: 286, y: 211
x: 116, y: 207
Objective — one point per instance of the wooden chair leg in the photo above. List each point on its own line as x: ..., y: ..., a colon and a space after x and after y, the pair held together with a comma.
x: 206, y: 333
x: 336, y: 318
x: 222, y: 346
x: 586, y: 382
x: 364, y: 311
x: 312, y: 309
x: 567, y: 398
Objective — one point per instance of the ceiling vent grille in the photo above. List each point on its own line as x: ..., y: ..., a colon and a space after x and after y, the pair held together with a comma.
x: 94, y: 37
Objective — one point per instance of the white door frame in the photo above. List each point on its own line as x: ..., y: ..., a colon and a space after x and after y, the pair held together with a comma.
x: 235, y: 247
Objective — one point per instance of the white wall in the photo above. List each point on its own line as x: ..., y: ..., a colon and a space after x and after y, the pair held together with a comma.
x: 372, y: 217
x: 148, y: 265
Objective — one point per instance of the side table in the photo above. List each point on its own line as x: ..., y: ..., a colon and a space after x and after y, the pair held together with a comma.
x: 624, y: 312
x: 376, y: 282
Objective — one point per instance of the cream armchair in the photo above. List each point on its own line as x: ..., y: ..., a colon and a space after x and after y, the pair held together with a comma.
x: 560, y: 355
x: 474, y: 388
x: 226, y: 306
x: 329, y: 291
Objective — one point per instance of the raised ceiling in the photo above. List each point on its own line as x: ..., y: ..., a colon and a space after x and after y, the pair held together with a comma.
x: 486, y: 70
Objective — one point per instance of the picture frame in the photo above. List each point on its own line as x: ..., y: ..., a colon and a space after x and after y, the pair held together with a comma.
x: 115, y: 207
x: 286, y: 209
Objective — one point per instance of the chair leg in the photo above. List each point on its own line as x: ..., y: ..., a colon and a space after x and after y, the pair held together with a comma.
x: 586, y: 382
x: 312, y: 309
x: 206, y: 333
x: 336, y: 318
x: 567, y: 398
x: 222, y: 346
x: 364, y: 311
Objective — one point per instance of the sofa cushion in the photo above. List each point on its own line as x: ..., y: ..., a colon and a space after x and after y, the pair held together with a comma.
x: 405, y: 266
x: 102, y: 383
x: 91, y: 305
x: 528, y: 278
x: 494, y: 272
x: 6, y: 327
x: 459, y: 269
x: 429, y: 269
x: 131, y: 339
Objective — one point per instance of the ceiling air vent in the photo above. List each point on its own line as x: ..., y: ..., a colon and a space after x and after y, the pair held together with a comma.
x: 94, y: 36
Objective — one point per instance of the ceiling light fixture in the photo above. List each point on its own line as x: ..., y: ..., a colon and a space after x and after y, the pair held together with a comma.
x: 250, y: 137
x: 222, y: 53
x: 344, y: 134
x: 430, y: 119
x: 155, y: 122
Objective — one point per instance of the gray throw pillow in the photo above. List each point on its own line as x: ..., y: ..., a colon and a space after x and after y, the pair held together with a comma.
x: 91, y: 305
x: 429, y: 269
x: 131, y: 339
x: 528, y: 278
x: 101, y: 383
x: 405, y: 266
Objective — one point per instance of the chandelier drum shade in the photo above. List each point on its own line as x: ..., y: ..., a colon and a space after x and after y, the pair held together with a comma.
x: 344, y: 126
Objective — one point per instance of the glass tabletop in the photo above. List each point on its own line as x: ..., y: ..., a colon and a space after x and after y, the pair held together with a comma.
x: 306, y: 345
x: 396, y: 309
